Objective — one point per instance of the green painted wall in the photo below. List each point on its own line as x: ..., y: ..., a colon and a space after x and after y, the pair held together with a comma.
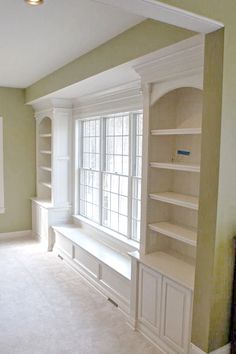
x: 206, y: 285
x: 19, y: 160
x: 139, y: 40
x: 214, y: 276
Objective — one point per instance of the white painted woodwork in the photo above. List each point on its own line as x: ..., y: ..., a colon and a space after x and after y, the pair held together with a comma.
x: 53, y: 139
x: 171, y: 264
x: 126, y: 98
x: 178, y: 232
x: 176, y: 316
x: 53, y: 128
x: 177, y: 131
x: 115, y: 282
x: 121, y: 264
x: 172, y: 182
x: 150, y: 292
x: 2, y: 205
x: 45, y: 152
x: 182, y: 200
x: 104, y: 268
x: 164, y: 305
x: 134, y: 293
x: 159, y: 11
x: 45, y: 135
x: 145, y: 190
x: 15, y: 234
x: 176, y: 166
x: 85, y: 260
x: 45, y: 168
x: 44, y: 215
x: 185, y: 61
x: 170, y: 234
x: 172, y: 89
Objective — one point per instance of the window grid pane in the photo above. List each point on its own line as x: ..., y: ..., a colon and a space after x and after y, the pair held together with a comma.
x: 115, y: 202
x: 89, y: 194
x: 117, y: 144
x: 138, y: 144
x: 91, y: 144
x: 136, y: 208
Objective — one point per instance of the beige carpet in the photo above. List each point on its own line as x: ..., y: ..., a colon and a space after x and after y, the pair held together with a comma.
x: 47, y: 308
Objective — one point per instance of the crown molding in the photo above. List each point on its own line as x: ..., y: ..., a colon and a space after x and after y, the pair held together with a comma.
x: 46, y: 104
x: 47, y: 107
x: 181, y: 59
x: 172, y: 15
x: 126, y: 97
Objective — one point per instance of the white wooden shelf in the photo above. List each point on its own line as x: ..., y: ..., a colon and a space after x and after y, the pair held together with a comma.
x: 45, y: 168
x: 182, y: 200
x: 46, y: 203
x: 49, y: 135
x: 171, y: 264
x: 176, y: 166
x: 181, y: 233
x: 180, y: 131
x: 45, y: 152
x: 46, y: 184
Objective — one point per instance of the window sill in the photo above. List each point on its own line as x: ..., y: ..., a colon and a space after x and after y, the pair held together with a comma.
x: 107, y: 232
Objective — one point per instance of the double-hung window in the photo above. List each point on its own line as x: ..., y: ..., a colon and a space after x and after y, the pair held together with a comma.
x: 110, y: 172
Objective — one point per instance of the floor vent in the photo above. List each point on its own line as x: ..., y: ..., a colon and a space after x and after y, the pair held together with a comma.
x: 112, y: 302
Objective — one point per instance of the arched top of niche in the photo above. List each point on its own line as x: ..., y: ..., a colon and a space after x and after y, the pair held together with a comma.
x: 178, y: 108
x: 161, y: 89
x: 45, y: 125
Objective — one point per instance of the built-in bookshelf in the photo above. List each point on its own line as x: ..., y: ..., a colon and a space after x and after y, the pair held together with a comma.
x: 174, y: 174
x: 44, y: 170
x: 52, y: 203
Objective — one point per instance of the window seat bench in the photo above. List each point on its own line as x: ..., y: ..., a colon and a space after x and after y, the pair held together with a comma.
x: 105, y: 268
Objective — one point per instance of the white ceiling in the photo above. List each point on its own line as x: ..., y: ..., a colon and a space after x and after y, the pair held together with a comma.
x: 35, y: 41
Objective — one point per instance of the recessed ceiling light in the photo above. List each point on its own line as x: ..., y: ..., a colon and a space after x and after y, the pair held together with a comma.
x: 34, y: 2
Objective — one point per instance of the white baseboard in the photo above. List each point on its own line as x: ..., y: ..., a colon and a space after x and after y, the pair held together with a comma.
x: 15, y: 234
x: 222, y: 350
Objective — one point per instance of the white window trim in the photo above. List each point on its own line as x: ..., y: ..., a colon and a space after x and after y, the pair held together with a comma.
x: 2, y: 206
x: 108, y: 232
x: 78, y: 149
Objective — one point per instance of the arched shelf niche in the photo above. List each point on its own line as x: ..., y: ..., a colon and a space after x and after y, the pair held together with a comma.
x: 160, y: 89
x: 175, y: 120
x: 44, y: 169
x: 180, y: 107
x: 45, y: 126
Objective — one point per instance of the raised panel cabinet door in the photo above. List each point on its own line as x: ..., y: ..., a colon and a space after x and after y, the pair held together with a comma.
x: 176, y: 316
x: 150, y: 284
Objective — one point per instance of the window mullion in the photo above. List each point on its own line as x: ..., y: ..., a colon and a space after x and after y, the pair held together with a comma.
x: 131, y: 144
x: 102, y: 164
x: 79, y: 159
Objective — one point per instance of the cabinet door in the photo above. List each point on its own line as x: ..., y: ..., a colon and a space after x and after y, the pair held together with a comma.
x: 176, y: 316
x: 150, y: 283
